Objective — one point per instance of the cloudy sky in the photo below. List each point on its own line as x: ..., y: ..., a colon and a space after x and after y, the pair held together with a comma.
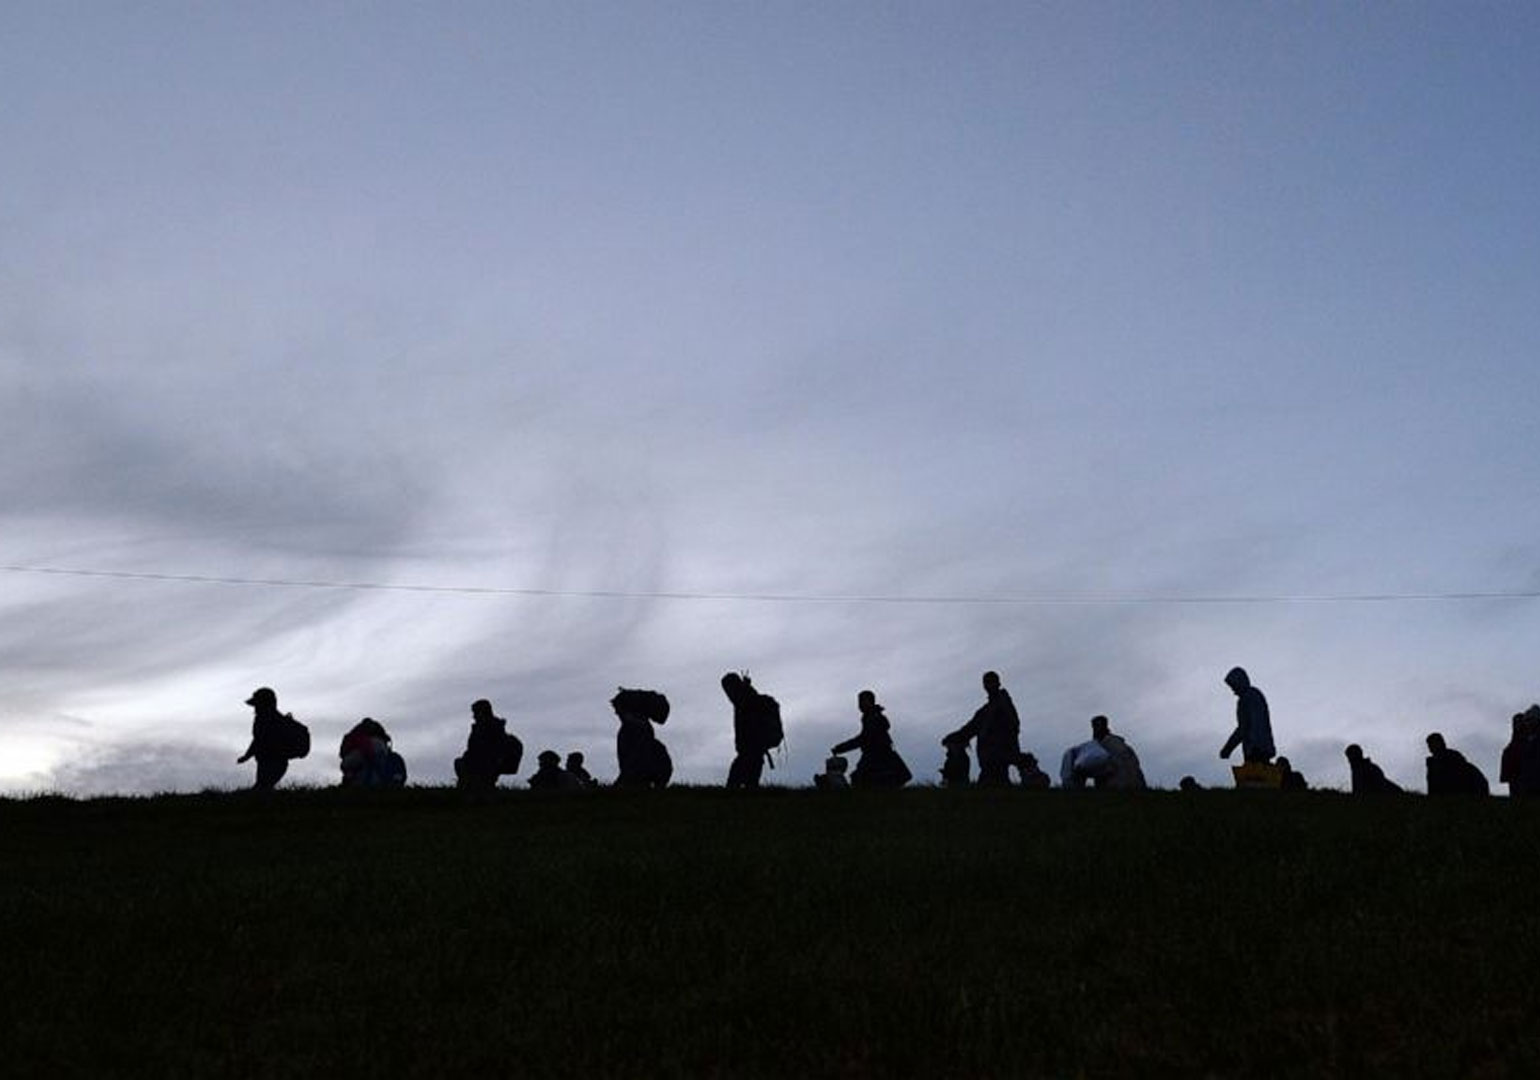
x: 858, y: 345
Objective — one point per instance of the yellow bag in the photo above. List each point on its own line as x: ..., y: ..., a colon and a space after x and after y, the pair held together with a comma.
x: 1258, y: 774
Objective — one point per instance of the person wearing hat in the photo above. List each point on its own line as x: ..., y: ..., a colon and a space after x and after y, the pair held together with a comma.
x: 268, y: 744
x: 1253, y: 725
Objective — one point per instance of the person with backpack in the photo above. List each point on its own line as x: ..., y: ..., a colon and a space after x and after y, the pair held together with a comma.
x: 996, y: 731
x: 276, y: 739
x: 367, y: 758
x: 490, y: 750
x: 757, y: 730
x: 644, y: 760
x: 1451, y: 773
x: 880, y: 765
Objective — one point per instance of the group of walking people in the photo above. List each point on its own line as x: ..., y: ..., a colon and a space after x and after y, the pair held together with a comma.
x: 367, y: 757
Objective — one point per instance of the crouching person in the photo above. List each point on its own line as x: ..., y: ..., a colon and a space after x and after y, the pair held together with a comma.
x: 1106, y: 760
x: 367, y: 758
x: 550, y: 776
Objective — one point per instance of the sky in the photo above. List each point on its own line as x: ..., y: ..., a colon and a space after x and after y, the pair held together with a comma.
x: 854, y: 345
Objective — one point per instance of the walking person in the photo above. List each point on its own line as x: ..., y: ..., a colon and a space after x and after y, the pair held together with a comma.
x: 756, y: 730
x: 275, y: 739
x: 491, y: 750
x: 995, y: 730
x: 880, y: 764
x: 1253, y: 724
x: 644, y: 760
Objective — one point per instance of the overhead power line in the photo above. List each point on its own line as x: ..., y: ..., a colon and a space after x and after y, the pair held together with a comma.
x: 1042, y: 600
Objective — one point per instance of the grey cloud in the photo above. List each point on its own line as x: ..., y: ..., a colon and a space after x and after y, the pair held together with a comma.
x: 147, y: 768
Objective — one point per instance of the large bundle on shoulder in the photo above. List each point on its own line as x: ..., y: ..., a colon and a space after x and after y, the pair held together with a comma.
x: 649, y: 704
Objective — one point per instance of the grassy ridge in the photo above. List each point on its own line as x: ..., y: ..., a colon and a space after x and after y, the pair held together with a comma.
x: 692, y: 932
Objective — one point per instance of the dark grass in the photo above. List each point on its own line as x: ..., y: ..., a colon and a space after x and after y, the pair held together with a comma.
x: 691, y: 932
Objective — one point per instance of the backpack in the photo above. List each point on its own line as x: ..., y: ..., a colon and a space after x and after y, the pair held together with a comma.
x: 513, y: 755
x: 767, y: 722
x: 296, y: 738
x: 648, y: 703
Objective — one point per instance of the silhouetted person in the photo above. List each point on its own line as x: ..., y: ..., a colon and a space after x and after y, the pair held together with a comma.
x: 1126, y: 774
x: 833, y: 777
x: 997, y: 731
x: 1508, y: 768
x: 1368, y: 778
x: 275, y: 739
x: 367, y: 758
x: 644, y: 760
x: 1107, y: 761
x: 756, y: 730
x: 491, y: 750
x: 957, y: 768
x: 1032, y: 775
x: 1291, y: 779
x: 549, y: 775
x: 1449, y: 773
x: 578, y: 772
x: 880, y: 765
x: 1253, y: 725
x: 1520, y: 768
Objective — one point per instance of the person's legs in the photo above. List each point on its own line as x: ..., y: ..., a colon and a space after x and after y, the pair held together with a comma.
x: 746, y: 770
x: 995, y: 774
x: 270, y: 770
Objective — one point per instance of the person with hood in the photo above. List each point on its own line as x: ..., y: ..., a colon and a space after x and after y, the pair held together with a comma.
x: 996, y: 731
x: 490, y: 750
x: 1450, y: 773
x: 367, y: 758
x: 644, y: 760
x: 272, y: 739
x: 756, y: 730
x: 1253, y: 725
x: 1368, y: 778
x: 879, y: 765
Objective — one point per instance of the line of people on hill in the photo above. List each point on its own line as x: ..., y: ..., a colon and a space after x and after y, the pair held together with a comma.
x: 368, y: 759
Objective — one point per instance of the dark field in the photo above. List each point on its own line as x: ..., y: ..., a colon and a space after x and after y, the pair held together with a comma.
x: 776, y: 934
